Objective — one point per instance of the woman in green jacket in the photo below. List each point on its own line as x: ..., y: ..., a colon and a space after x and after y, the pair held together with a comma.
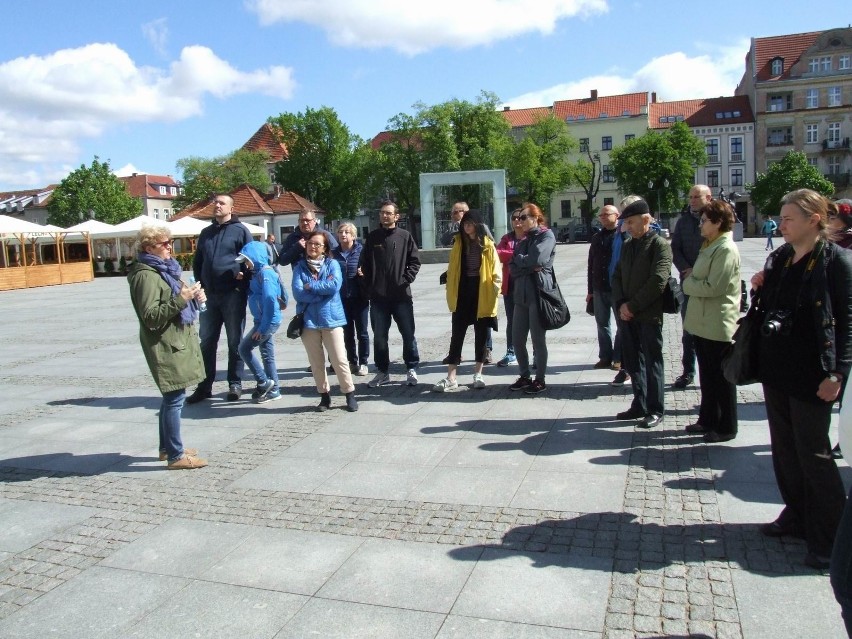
x: 714, y: 293
x: 167, y: 310
x: 473, y: 285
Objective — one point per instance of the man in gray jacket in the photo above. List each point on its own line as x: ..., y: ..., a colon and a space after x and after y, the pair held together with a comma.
x: 637, y: 288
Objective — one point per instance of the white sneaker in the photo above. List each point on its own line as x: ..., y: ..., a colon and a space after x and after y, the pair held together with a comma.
x: 445, y: 385
x: 411, y: 377
x: 362, y: 371
x: 478, y: 381
x: 379, y: 380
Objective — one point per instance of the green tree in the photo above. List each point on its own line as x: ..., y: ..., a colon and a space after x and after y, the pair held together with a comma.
x: 664, y: 160
x: 791, y: 173
x: 588, y: 175
x: 203, y: 177
x: 537, y: 165
x: 457, y: 135
x: 92, y: 190
x: 325, y: 163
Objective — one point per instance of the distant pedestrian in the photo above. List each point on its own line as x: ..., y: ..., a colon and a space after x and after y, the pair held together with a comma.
x: 599, y: 289
x: 768, y: 230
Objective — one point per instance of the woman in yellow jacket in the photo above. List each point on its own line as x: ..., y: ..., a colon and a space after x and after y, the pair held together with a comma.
x: 473, y: 285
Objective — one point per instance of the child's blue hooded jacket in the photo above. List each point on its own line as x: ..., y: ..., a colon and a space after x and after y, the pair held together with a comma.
x: 264, y: 288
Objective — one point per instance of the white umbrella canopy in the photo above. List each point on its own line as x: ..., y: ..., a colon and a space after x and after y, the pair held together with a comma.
x: 188, y: 227
x: 10, y: 227
x: 131, y: 227
x: 254, y: 229
x: 94, y: 228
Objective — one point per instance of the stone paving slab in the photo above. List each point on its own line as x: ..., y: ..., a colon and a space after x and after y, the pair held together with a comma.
x: 521, y: 503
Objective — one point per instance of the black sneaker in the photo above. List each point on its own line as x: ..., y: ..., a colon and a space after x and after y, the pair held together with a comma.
x: 262, y: 389
x: 630, y: 413
x: 198, y: 395
x: 520, y: 384
x: 535, y: 388
x: 620, y: 378
x: 683, y: 381
x: 234, y: 392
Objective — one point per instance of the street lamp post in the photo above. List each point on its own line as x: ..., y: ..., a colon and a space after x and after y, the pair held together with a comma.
x: 660, y: 187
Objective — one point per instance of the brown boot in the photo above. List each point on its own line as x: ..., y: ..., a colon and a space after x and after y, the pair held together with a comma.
x: 186, y: 451
x: 187, y: 462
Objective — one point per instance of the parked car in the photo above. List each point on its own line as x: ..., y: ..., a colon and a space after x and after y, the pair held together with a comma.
x: 577, y: 232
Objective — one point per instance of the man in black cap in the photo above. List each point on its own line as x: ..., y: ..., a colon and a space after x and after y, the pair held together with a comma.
x: 637, y: 288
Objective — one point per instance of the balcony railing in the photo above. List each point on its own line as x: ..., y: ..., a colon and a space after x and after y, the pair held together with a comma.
x: 785, y: 140
x: 713, y: 159
x: 736, y: 157
x: 835, y: 145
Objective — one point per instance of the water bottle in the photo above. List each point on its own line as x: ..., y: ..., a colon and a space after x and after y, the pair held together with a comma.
x: 203, y: 306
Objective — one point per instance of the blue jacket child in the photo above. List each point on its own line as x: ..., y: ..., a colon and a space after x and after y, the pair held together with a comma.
x: 265, y: 289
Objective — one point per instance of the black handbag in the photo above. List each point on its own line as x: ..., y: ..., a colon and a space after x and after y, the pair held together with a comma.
x: 553, y: 312
x: 740, y: 362
x: 672, y: 297
x: 743, y: 297
x: 294, y: 328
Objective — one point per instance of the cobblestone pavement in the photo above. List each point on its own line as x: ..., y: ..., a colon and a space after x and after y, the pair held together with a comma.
x: 674, y: 560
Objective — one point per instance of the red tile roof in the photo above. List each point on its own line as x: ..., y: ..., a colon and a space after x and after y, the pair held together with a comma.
x: 247, y: 201
x: 701, y: 112
x: 266, y: 139
x: 525, y: 117
x: 386, y: 137
x: 593, y: 107
x: 790, y: 47
x: 144, y: 185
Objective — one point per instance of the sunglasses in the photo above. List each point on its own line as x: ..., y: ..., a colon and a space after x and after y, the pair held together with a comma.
x: 520, y: 218
x: 166, y: 245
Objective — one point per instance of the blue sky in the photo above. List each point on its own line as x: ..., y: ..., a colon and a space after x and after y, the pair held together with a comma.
x: 142, y: 84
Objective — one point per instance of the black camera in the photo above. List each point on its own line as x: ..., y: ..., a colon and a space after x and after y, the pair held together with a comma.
x: 777, y: 323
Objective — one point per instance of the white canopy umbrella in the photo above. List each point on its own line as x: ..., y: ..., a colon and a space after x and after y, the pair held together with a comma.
x: 254, y: 229
x: 11, y: 227
x: 188, y: 227
x: 94, y: 228
x: 131, y: 227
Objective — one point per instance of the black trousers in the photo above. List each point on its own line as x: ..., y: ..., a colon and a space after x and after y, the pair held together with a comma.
x: 807, y: 476
x: 718, y: 410
x: 642, y: 355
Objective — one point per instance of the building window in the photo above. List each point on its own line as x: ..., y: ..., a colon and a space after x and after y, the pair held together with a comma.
x: 608, y: 201
x: 834, y: 132
x: 165, y: 214
x: 834, y: 165
x: 811, y: 133
x: 629, y: 136
x: 736, y: 149
x: 780, y: 103
x: 608, y: 175
x: 777, y: 66
x: 834, y: 96
x: 821, y: 64
x: 606, y: 143
x: 781, y: 136
x: 812, y: 99
x: 162, y: 190
x: 173, y: 190
x: 566, y: 208
x: 712, y: 148
x: 844, y: 62
x: 736, y: 177
x: 813, y: 160
x: 584, y: 145
x: 157, y: 214
x: 713, y: 178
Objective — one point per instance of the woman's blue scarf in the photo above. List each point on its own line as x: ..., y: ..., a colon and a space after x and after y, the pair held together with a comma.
x: 170, y: 270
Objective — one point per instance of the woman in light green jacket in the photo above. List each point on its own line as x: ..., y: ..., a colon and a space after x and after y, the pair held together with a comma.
x: 714, y: 292
x: 167, y: 310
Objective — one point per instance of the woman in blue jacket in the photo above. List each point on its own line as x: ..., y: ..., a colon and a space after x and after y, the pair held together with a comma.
x: 317, y: 280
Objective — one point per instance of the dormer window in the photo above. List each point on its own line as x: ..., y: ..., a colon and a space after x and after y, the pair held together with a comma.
x: 777, y: 67
x: 162, y: 190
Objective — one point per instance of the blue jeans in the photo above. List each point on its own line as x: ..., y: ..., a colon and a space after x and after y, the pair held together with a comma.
x: 402, y: 312
x: 170, y: 408
x: 603, y: 312
x: 769, y: 241
x: 266, y: 345
x: 841, y: 565
x: 509, y: 304
x: 227, y: 308
x: 357, y: 312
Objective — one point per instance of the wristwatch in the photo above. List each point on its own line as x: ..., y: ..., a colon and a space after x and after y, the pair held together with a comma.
x: 833, y: 378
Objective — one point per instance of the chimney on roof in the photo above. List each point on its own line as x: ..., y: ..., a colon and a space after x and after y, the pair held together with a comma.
x: 654, y: 97
x: 594, y: 94
x: 506, y: 108
x: 134, y: 175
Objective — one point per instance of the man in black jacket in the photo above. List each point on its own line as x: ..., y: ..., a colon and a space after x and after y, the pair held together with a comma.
x: 599, y: 289
x: 293, y: 248
x: 389, y: 264
x: 215, y: 266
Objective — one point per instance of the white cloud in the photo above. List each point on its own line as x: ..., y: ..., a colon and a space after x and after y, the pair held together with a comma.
x: 674, y: 76
x: 127, y: 170
x: 49, y: 103
x: 412, y: 27
x: 157, y: 34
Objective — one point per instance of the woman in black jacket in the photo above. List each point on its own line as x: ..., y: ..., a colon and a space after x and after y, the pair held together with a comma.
x: 805, y: 355
x: 356, y: 334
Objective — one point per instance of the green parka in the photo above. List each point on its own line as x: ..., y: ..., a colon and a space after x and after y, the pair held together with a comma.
x: 172, y: 350
x: 641, y: 276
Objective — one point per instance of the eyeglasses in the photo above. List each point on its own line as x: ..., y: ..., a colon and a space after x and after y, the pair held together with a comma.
x: 305, y: 220
x: 702, y: 221
x: 520, y: 218
x: 459, y: 211
x: 316, y: 244
x: 391, y: 212
x: 167, y: 244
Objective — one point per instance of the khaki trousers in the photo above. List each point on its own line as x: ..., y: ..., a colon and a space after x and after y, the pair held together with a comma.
x: 314, y: 339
